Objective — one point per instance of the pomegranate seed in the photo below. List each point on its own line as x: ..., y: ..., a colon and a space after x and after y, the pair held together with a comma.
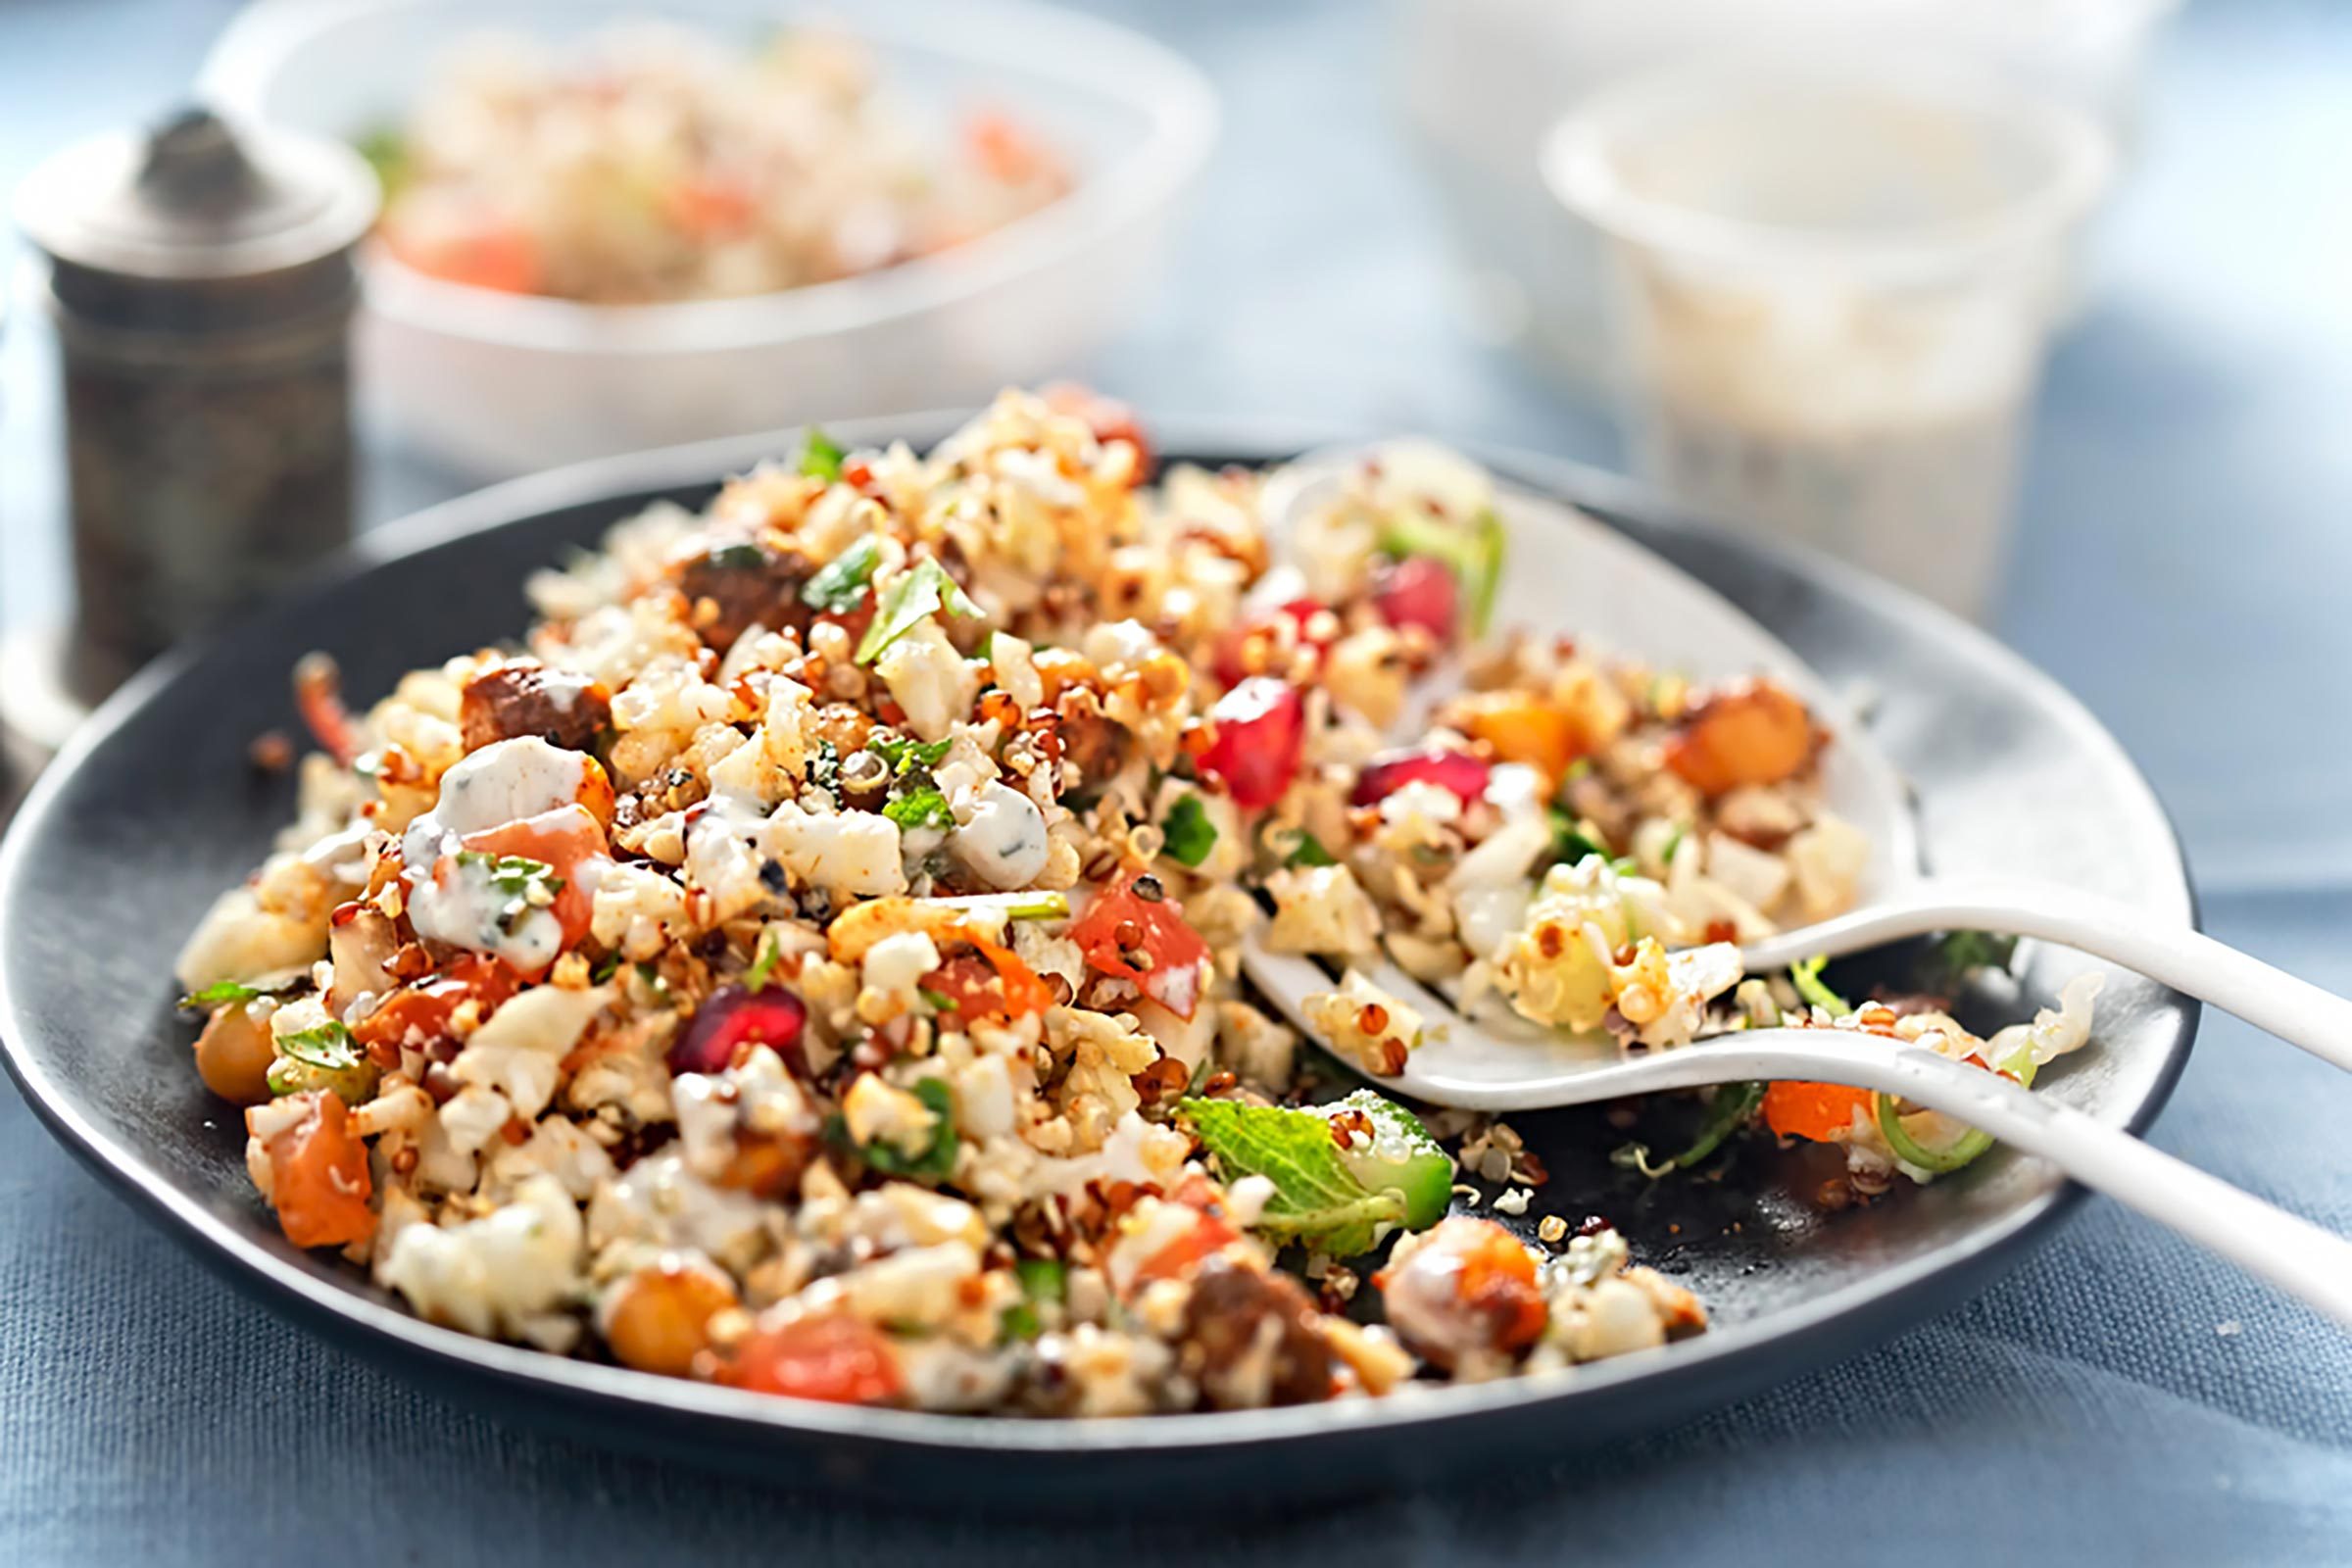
x: 1418, y: 592
x: 1391, y: 771
x: 734, y: 1018
x: 1261, y: 730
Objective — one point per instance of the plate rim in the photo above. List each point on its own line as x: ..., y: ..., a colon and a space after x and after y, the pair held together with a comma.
x: 1877, y: 1303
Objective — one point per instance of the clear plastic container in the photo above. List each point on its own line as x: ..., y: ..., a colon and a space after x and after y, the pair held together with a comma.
x: 1830, y: 285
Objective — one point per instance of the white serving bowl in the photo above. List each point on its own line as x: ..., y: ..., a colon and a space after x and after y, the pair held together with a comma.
x: 500, y: 383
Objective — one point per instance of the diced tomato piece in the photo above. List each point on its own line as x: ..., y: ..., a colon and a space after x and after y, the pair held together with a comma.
x: 425, y: 1005
x: 1003, y: 150
x: 1262, y: 735
x: 564, y: 838
x: 1205, y: 1237
x: 1123, y: 924
x: 1419, y: 592
x: 991, y: 983
x: 831, y: 1357
x: 1465, y: 775
x: 319, y: 1181
x: 1815, y: 1112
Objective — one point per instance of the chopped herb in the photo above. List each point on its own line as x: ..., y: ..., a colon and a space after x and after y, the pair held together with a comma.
x: 1674, y: 842
x: 940, y: 1000
x: 651, y: 977
x: 1043, y: 1279
x: 920, y: 807
x: 923, y: 589
x: 738, y: 558
x: 526, y: 884
x: 824, y: 769
x: 1309, y: 850
x: 822, y: 455
x: 1806, y: 977
x: 330, y: 1046
x: 839, y: 585
x: 1964, y: 952
x: 938, y: 1157
x: 607, y: 967
x: 324, y: 1057
x: 764, y: 963
x: 1574, y: 841
x: 1577, y: 769
x: 213, y: 996
x: 1472, y: 553
x: 1189, y: 833
x: 906, y: 753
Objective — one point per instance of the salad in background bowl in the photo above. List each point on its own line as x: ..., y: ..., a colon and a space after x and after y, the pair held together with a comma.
x: 910, y: 203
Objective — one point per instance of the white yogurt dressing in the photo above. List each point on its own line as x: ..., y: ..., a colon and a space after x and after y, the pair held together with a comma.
x: 456, y: 901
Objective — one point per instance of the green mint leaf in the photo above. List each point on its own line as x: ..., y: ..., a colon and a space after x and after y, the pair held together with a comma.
x: 839, y: 585
x: 923, y: 589
x: 213, y: 996
x: 1189, y: 833
x: 822, y: 455
x: 906, y: 753
x: 1309, y: 852
x: 1319, y: 1200
x: 920, y: 807
x: 1401, y: 1156
x: 324, y: 1057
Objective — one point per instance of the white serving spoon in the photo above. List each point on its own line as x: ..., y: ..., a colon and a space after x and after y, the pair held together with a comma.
x: 1509, y: 1064
x: 2292, y: 1253
x: 1598, y: 583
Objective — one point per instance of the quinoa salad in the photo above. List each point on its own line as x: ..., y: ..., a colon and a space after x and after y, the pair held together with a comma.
x: 808, y: 960
x: 655, y: 164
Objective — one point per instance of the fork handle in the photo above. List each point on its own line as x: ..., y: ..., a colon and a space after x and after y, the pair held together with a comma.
x: 2298, y: 1256
x: 2177, y: 956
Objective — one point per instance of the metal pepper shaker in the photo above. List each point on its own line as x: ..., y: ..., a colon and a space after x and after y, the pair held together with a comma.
x: 202, y: 287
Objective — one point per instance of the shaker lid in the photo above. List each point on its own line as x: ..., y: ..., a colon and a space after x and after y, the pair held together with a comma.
x: 198, y: 199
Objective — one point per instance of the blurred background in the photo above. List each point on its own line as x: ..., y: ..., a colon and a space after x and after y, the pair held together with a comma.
x: 1385, y: 237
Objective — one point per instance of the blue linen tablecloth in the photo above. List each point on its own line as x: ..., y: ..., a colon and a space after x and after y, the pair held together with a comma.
x: 2118, y: 1398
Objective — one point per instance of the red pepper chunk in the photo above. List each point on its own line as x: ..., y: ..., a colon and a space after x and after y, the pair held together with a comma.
x: 1143, y: 938
x: 1262, y: 735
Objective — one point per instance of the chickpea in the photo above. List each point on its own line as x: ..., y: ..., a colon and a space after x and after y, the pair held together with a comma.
x: 234, y: 1055
x: 659, y: 1318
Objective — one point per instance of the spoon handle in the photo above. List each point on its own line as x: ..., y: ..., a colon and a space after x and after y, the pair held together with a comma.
x: 2298, y: 1256
x: 2187, y: 959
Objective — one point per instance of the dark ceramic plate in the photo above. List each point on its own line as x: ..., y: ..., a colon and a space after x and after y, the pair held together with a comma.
x: 155, y: 809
